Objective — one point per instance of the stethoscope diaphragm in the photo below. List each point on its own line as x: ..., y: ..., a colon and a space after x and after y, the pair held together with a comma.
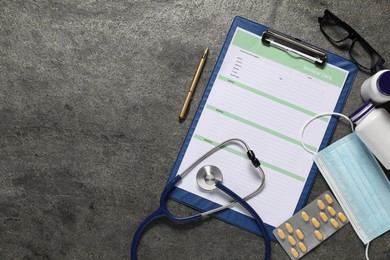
x: 207, y: 176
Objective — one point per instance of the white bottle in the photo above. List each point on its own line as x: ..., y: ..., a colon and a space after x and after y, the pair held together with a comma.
x: 373, y: 128
x: 377, y: 88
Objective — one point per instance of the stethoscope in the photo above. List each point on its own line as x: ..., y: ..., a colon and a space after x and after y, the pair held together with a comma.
x: 209, y: 178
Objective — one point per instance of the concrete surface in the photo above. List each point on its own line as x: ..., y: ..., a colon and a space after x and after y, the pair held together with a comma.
x: 90, y: 93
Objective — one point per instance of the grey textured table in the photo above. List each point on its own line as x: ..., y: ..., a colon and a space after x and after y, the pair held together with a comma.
x: 90, y: 93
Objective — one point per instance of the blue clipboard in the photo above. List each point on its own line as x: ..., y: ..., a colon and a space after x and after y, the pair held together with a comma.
x: 229, y: 215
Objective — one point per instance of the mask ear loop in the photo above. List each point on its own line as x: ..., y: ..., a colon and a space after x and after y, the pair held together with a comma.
x: 318, y: 116
x: 368, y: 244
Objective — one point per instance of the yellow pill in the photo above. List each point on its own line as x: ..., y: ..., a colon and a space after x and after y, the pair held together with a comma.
x: 294, y: 252
x: 328, y: 198
x: 342, y: 217
x: 300, y: 234
x: 331, y: 211
x: 302, y: 246
x: 315, y: 222
x: 323, y: 216
x: 281, y: 233
x: 289, y: 228
x: 318, y: 234
x: 292, y: 240
x: 305, y: 216
x: 320, y: 204
x: 334, y: 223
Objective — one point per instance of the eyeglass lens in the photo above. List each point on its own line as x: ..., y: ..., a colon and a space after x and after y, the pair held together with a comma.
x: 364, y: 57
x: 332, y: 28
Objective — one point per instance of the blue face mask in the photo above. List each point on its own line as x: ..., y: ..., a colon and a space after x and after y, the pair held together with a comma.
x: 358, y: 183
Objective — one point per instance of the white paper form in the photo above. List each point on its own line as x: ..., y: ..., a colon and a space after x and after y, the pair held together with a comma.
x: 264, y: 96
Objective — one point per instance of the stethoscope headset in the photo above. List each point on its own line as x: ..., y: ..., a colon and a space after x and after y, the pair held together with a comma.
x: 209, y: 178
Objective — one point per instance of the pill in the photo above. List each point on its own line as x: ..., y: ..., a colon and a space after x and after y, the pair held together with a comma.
x: 305, y: 216
x: 315, y: 222
x: 289, y: 228
x: 320, y: 204
x: 323, y: 216
x: 281, y: 233
x: 318, y: 234
x: 342, y: 217
x: 292, y: 240
x: 302, y: 246
x: 328, y: 198
x: 294, y: 252
x: 300, y: 234
x: 331, y: 211
x: 334, y: 223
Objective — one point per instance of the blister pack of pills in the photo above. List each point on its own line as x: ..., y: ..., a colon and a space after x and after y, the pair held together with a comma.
x: 310, y: 226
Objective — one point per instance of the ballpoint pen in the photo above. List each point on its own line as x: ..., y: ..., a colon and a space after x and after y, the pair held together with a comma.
x: 187, y: 101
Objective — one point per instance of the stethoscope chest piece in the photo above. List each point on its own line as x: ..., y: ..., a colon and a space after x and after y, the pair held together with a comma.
x: 207, y: 176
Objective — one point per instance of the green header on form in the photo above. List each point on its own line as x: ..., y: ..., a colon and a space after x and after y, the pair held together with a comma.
x: 253, y: 44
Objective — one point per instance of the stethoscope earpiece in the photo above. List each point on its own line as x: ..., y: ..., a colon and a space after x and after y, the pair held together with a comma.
x: 207, y: 177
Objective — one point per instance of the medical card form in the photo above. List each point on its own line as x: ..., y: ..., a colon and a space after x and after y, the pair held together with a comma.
x: 264, y: 96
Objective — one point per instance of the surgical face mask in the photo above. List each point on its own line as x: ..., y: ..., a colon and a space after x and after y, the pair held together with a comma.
x: 358, y: 183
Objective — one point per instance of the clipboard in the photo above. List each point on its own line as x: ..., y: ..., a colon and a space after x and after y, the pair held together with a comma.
x: 282, y: 43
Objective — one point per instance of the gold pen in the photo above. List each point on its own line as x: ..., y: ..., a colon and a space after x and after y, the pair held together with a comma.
x: 187, y: 101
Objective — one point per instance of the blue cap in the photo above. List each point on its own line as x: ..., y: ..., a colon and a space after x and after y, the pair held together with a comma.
x: 383, y: 83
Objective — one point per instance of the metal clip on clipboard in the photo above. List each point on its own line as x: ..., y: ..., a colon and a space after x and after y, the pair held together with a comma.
x: 294, y: 45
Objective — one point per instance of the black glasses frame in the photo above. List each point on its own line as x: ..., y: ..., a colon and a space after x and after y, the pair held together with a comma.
x: 355, y: 37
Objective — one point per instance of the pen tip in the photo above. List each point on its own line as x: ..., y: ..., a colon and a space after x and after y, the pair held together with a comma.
x: 206, y: 52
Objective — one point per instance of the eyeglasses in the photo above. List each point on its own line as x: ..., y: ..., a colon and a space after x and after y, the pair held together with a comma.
x: 337, y: 31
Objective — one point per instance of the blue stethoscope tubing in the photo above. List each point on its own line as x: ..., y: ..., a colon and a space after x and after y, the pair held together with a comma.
x: 163, y: 211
